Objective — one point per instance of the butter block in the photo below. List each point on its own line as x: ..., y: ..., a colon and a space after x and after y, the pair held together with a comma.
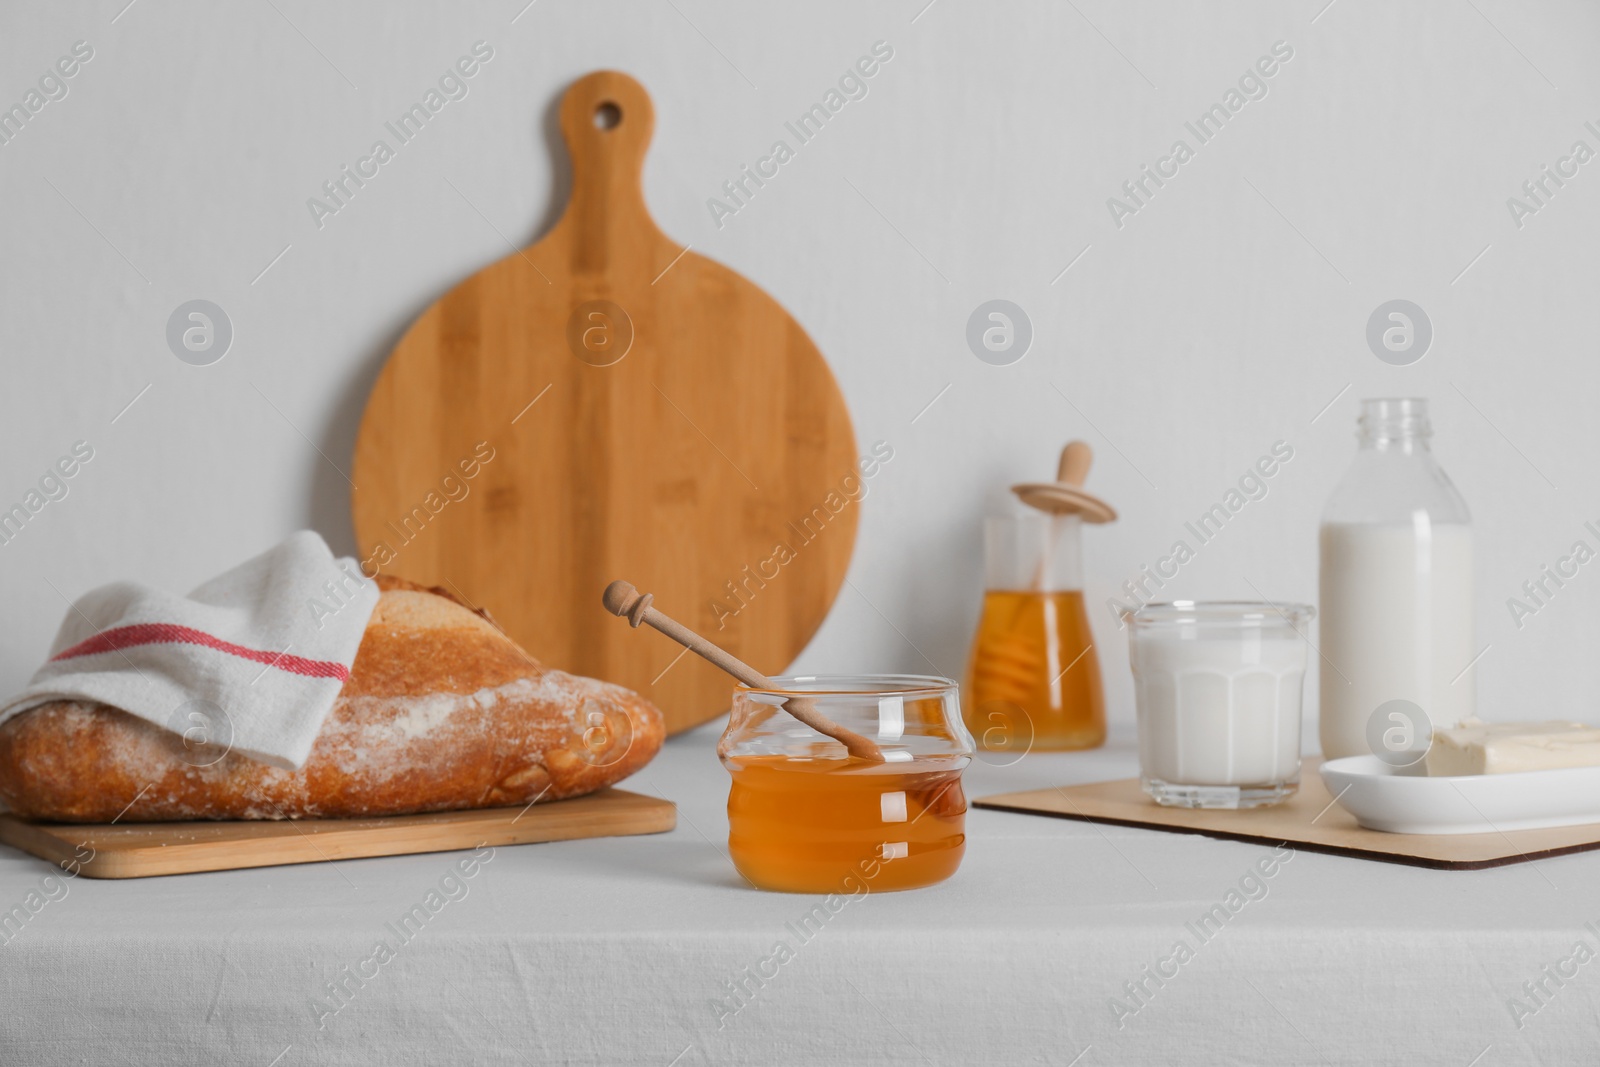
x: 1477, y: 747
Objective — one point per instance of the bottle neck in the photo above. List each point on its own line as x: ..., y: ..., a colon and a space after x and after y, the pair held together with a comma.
x: 1394, y: 425
x: 1394, y: 476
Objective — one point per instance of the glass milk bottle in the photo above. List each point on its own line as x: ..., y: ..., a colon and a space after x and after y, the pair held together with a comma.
x: 1396, y: 591
x: 1033, y: 678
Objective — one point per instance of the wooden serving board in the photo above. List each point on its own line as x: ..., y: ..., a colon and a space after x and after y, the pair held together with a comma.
x: 650, y: 414
x: 138, y: 850
x: 1309, y: 820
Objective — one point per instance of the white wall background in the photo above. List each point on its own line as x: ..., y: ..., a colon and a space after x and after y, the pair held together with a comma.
x: 1224, y: 316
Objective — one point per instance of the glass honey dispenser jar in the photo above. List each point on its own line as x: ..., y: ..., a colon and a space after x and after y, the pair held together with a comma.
x: 1033, y: 678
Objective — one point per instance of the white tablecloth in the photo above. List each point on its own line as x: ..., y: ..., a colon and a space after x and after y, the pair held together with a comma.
x: 621, y: 951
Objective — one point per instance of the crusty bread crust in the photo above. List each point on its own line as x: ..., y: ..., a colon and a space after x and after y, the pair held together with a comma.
x: 442, y: 711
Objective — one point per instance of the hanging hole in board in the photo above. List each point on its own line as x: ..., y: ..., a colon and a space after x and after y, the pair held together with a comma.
x: 607, y: 116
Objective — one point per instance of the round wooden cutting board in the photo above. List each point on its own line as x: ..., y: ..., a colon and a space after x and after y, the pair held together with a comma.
x: 605, y: 404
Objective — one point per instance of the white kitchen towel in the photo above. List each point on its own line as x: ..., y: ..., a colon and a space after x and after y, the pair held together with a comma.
x: 250, y: 661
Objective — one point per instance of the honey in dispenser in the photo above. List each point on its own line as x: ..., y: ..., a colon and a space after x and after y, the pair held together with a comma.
x: 1033, y: 679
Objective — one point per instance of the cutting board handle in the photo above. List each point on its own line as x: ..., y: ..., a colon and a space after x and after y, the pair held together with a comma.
x: 607, y: 120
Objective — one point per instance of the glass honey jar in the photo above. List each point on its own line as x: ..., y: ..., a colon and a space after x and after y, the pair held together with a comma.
x: 1033, y: 677
x: 805, y: 816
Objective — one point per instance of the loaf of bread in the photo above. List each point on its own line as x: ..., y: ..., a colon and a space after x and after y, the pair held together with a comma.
x: 441, y: 711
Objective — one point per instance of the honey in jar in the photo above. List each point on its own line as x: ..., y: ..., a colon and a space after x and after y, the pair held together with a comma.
x: 1033, y: 678
x: 806, y: 825
x: 805, y: 816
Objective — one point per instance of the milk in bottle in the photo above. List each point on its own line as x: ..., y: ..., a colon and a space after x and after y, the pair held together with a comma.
x: 1396, y: 588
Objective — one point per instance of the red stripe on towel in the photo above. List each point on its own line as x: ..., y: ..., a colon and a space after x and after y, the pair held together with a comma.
x: 163, y: 633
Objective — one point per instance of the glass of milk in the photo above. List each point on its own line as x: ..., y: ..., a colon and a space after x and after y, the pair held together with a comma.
x: 1217, y: 686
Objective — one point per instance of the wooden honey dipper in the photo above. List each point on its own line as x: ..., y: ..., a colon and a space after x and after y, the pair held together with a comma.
x: 621, y: 598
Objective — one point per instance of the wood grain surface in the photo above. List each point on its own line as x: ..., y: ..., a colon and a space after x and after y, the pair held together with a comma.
x: 1309, y: 820
x: 139, y: 850
x: 608, y: 403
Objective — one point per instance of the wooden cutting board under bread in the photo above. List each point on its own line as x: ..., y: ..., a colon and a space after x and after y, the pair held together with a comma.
x: 648, y: 412
x: 1308, y: 820
x: 139, y: 850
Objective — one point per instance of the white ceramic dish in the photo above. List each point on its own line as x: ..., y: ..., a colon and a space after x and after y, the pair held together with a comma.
x: 1384, y: 798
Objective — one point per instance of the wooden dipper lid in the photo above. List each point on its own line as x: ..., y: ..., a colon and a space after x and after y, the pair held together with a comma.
x: 1065, y: 495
